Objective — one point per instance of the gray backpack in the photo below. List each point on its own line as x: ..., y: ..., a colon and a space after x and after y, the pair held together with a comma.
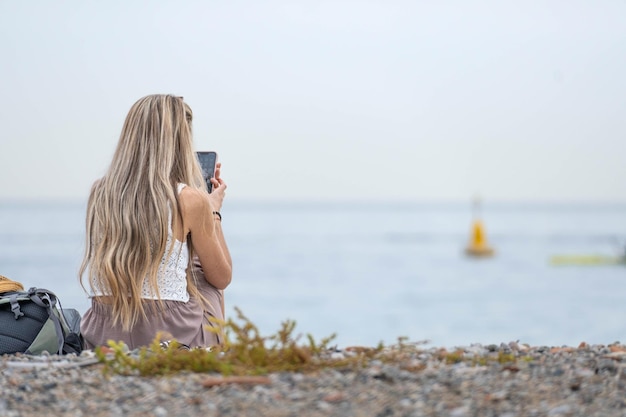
x: 33, y: 321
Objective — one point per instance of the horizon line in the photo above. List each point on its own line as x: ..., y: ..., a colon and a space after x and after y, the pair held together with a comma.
x: 297, y: 202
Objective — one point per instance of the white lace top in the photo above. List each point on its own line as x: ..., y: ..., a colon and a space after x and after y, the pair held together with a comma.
x: 172, y: 275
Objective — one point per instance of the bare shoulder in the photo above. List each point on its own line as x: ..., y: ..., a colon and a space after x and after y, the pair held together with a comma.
x: 193, y: 202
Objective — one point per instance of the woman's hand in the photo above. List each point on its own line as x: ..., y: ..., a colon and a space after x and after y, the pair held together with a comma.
x: 219, y: 188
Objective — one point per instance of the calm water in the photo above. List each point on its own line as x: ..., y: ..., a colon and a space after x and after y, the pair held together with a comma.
x: 372, y: 273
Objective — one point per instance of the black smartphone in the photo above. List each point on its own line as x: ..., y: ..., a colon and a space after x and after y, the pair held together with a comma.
x: 207, y: 160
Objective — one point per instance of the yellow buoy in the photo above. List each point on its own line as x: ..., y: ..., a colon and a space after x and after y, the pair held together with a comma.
x: 478, y: 245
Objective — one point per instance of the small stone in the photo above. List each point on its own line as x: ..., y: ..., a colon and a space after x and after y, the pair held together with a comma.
x: 160, y: 412
x: 459, y: 412
x: 560, y: 410
x: 334, y: 397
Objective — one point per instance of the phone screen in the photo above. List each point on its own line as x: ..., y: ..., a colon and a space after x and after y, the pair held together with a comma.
x: 207, y: 163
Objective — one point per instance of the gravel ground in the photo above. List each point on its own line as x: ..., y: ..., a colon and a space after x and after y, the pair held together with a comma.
x: 589, y: 380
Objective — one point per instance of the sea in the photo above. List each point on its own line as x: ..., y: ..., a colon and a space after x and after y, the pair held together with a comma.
x: 370, y: 273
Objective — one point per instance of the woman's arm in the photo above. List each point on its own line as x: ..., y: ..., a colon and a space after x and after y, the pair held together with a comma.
x: 206, y: 236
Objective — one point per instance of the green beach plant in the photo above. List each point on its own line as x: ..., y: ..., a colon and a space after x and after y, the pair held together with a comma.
x: 246, y: 352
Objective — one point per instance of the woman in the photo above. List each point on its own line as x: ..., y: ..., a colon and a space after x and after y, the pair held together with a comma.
x: 148, y: 219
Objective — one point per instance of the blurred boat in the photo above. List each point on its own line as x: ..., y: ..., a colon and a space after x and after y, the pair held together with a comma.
x: 587, y: 260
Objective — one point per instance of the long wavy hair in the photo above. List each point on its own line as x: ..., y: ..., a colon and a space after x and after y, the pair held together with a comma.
x: 129, y: 209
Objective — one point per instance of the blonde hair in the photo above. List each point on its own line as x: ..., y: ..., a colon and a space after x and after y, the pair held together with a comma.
x: 129, y: 209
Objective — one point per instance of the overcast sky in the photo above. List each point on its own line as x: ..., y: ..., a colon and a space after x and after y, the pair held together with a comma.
x: 369, y: 100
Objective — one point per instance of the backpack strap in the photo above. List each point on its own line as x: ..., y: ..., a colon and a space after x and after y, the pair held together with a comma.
x: 47, y: 299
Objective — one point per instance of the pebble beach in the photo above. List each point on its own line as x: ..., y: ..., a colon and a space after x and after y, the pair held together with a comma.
x: 587, y: 380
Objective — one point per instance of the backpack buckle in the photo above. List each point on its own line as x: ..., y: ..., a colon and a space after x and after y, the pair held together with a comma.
x: 15, y: 306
